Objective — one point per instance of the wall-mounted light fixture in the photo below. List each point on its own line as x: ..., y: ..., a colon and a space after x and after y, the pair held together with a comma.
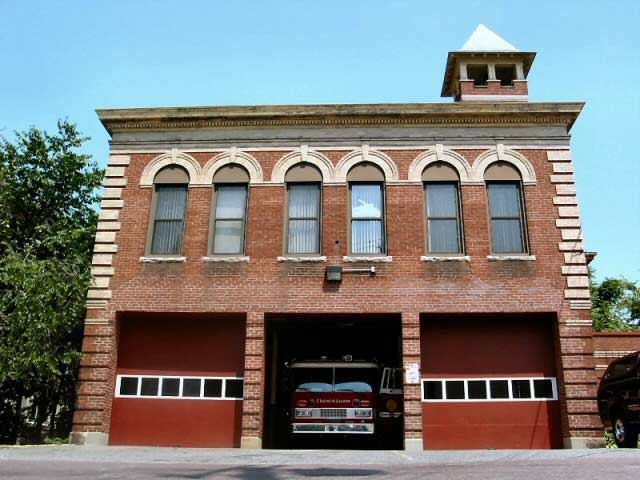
x: 334, y: 272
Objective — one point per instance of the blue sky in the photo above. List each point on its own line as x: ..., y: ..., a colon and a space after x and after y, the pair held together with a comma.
x: 65, y: 59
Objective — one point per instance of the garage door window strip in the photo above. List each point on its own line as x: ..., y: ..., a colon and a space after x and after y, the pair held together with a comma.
x: 183, y: 388
x: 489, y: 389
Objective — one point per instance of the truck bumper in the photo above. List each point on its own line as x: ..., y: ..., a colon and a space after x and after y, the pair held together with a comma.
x: 357, y: 428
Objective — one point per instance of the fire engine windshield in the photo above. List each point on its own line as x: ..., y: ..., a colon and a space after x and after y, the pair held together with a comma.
x: 314, y: 380
x: 358, y: 380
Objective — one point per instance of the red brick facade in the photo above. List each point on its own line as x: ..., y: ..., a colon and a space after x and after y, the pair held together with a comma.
x: 407, y: 285
x: 493, y: 87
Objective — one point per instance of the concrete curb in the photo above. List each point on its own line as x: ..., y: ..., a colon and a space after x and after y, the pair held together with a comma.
x: 97, y: 454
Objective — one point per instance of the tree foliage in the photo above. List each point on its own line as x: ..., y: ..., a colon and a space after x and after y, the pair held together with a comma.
x: 48, y: 192
x: 615, y: 304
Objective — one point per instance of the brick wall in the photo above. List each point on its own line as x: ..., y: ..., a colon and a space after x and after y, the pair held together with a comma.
x: 608, y: 346
x: 407, y: 285
x: 493, y: 87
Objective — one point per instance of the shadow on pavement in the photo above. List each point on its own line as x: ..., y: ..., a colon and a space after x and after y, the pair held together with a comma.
x: 273, y: 473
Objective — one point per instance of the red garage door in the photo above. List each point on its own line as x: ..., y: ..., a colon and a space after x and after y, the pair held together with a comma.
x: 489, y: 382
x: 179, y: 382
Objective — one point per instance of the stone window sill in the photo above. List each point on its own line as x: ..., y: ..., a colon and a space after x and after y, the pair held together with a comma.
x: 163, y: 259
x: 301, y: 259
x: 511, y: 258
x: 370, y: 259
x: 226, y: 259
x: 436, y: 258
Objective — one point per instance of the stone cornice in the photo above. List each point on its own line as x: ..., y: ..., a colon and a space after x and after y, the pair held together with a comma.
x: 359, y: 115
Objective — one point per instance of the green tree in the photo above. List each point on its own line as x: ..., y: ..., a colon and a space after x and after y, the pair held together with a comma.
x: 615, y: 304
x: 48, y: 194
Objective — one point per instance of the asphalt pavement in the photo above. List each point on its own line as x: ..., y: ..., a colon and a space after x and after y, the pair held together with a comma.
x: 75, y: 462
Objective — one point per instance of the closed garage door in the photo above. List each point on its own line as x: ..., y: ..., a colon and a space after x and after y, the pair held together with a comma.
x: 179, y: 381
x: 489, y: 382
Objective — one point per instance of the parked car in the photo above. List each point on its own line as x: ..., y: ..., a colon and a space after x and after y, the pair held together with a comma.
x: 619, y: 400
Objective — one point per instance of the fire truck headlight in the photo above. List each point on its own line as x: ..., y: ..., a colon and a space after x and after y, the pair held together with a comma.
x: 363, y: 412
x: 303, y: 412
x: 391, y: 405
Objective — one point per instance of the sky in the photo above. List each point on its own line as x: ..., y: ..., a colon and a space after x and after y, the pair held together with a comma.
x: 65, y: 59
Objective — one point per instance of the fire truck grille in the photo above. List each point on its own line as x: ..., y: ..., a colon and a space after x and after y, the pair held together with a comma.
x: 333, y: 413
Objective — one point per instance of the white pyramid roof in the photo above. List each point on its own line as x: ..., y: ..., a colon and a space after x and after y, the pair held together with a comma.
x: 485, y: 40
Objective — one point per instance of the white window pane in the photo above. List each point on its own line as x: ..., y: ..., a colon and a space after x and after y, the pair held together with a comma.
x: 366, y: 201
x: 442, y: 200
x: 171, y: 201
x: 167, y: 237
x: 230, y: 201
x: 366, y: 236
x: 504, y: 200
x: 506, y: 236
x: 443, y: 236
x: 303, y: 236
x: 228, y: 237
x: 304, y: 201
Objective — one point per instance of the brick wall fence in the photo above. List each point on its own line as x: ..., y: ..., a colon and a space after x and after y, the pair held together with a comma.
x: 607, y: 346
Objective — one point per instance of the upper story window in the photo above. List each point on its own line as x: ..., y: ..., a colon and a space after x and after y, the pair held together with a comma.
x: 230, y: 187
x: 303, y: 223
x: 168, y: 211
x: 366, y: 194
x: 442, y: 199
x: 506, y: 74
x: 479, y: 73
x: 506, y: 209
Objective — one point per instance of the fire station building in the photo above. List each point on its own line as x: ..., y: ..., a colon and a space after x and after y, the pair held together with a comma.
x: 441, y: 238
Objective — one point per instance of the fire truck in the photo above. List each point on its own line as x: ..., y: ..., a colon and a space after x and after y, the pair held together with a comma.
x: 345, y: 397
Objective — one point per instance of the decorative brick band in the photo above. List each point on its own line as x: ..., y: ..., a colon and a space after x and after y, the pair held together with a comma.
x: 579, y: 323
x: 559, y: 155
x: 580, y: 304
x: 611, y: 353
x: 565, y: 200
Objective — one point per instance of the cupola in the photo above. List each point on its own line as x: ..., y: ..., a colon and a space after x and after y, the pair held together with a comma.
x: 487, y: 69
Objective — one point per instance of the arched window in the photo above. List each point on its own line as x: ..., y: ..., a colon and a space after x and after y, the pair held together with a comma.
x: 506, y: 209
x: 168, y: 211
x: 443, y: 211
x: 366, y: 215
x: 304, y: 186
x: 229, y: 212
